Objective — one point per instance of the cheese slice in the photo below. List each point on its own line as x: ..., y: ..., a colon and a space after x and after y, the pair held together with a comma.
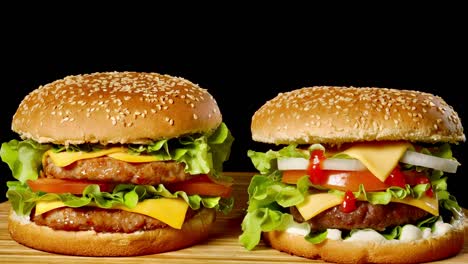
x: 428, y: 204
x: 65, y: 158
x: 314, y: 204
x: 379, y: 158
x: 45, y: 206
x: 166, y: 210
x: 125, y: 156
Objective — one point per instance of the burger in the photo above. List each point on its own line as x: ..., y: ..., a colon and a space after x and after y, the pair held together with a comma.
x: 356, y: 175
x: 117, y: 164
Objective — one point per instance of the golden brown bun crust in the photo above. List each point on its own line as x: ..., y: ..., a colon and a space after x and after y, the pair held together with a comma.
x: 424, y: 250
x: 115, y: 107
x: 348, y: 114
x: 89, y: 243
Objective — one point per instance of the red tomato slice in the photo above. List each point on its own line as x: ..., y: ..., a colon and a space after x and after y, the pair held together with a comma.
x: 200, y: 178
x: 66, y: 186
x: 341, y: 180
x: 292, y: 176
x: 202, y: 188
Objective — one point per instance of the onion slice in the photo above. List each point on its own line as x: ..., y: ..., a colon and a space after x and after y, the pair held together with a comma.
x: 428, y: 161
x: 410, y: 157
x: 328, y: 164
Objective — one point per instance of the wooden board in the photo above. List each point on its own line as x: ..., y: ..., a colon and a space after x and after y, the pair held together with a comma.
x: 222, y: 247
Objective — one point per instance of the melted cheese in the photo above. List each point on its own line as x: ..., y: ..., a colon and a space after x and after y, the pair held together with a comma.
x: 166, y: 210
x: 63, y: 159
x: 314, y: 204
x: 379, y: 158
x: 428, y: 204
x: 125, y: 156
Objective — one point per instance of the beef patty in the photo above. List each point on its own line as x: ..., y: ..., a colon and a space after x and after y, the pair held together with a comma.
x: 99, y: 220
x: 107, y: 169
x: 366, y: 215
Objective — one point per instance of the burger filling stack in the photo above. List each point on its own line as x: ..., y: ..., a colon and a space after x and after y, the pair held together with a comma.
x: 356, y: 175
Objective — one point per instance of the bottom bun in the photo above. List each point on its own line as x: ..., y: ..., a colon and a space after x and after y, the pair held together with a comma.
x: 90, y: 243
x: 424, y: 250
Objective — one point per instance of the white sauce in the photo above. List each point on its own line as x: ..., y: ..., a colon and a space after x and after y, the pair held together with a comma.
x: 408, y: 232
x: 295, y: 228
x: 334, y: 234
x: 366, y: 235
x: 22, y: 219
x: 441, y: 228
x: 426, y: 233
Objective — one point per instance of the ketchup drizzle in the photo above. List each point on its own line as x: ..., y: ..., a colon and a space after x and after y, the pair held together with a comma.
x: 349, y: 202
x: 314, y: 170
x: 396, y: 178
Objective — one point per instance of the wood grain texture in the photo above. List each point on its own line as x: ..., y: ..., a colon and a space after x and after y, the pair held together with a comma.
x: 222, y: 247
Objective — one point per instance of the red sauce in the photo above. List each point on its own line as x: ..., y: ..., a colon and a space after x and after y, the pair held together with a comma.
x: 349, y: 202
x: 396, y: 178
x: 422, y: 180
x: 315, y: 172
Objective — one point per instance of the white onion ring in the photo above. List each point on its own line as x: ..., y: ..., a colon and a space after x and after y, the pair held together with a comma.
x: 410, y: 157
x: 328, y: 164
x: 428, y: 161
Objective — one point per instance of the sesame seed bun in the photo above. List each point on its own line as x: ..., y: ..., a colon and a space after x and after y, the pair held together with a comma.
x: 418, y: 251
x: 334, y: 115
x: 90, y: 243
x: 115, y: 107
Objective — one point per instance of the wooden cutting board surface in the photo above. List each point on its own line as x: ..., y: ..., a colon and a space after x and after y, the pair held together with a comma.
x: 222, y: 247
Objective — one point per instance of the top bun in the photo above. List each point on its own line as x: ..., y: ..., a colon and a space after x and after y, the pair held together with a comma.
x: 115, y: 107
x: 335, y: 115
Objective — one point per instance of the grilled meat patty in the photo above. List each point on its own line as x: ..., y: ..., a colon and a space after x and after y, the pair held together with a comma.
x: 99, y: 220
x: 366, y: 215
x: 107, y: 169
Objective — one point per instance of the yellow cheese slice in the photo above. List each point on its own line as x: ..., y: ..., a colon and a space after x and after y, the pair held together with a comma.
x: 45, y: 206
x: 63, y: 159
x: 314, y: 204
x: 379, y: 158
x: 167, y: 210
x: 428, y: 204
x: 125, y: 156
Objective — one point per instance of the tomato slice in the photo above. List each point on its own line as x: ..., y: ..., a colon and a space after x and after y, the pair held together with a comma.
x: 202, y: 185
x: 292, y: 176
x: 66, y: 186
x: 200, y: 178
x: 341, y: 180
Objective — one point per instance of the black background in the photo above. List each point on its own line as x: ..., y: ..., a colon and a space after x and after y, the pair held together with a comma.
x: 242, y: 66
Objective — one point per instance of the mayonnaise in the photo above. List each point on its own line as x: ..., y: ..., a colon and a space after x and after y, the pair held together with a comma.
x: 408, y: 232
x: 366, y: 235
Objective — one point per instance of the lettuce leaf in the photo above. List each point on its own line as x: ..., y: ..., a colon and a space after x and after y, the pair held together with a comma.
x: 267, y: 196
x: 23, y: 199
x: 261, y: 220
x: 202, y: 154
x: 24, y: 158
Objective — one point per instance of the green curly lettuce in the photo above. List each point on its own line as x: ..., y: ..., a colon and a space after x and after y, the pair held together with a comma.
x: 23, y: 199
x: 202, y: 154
